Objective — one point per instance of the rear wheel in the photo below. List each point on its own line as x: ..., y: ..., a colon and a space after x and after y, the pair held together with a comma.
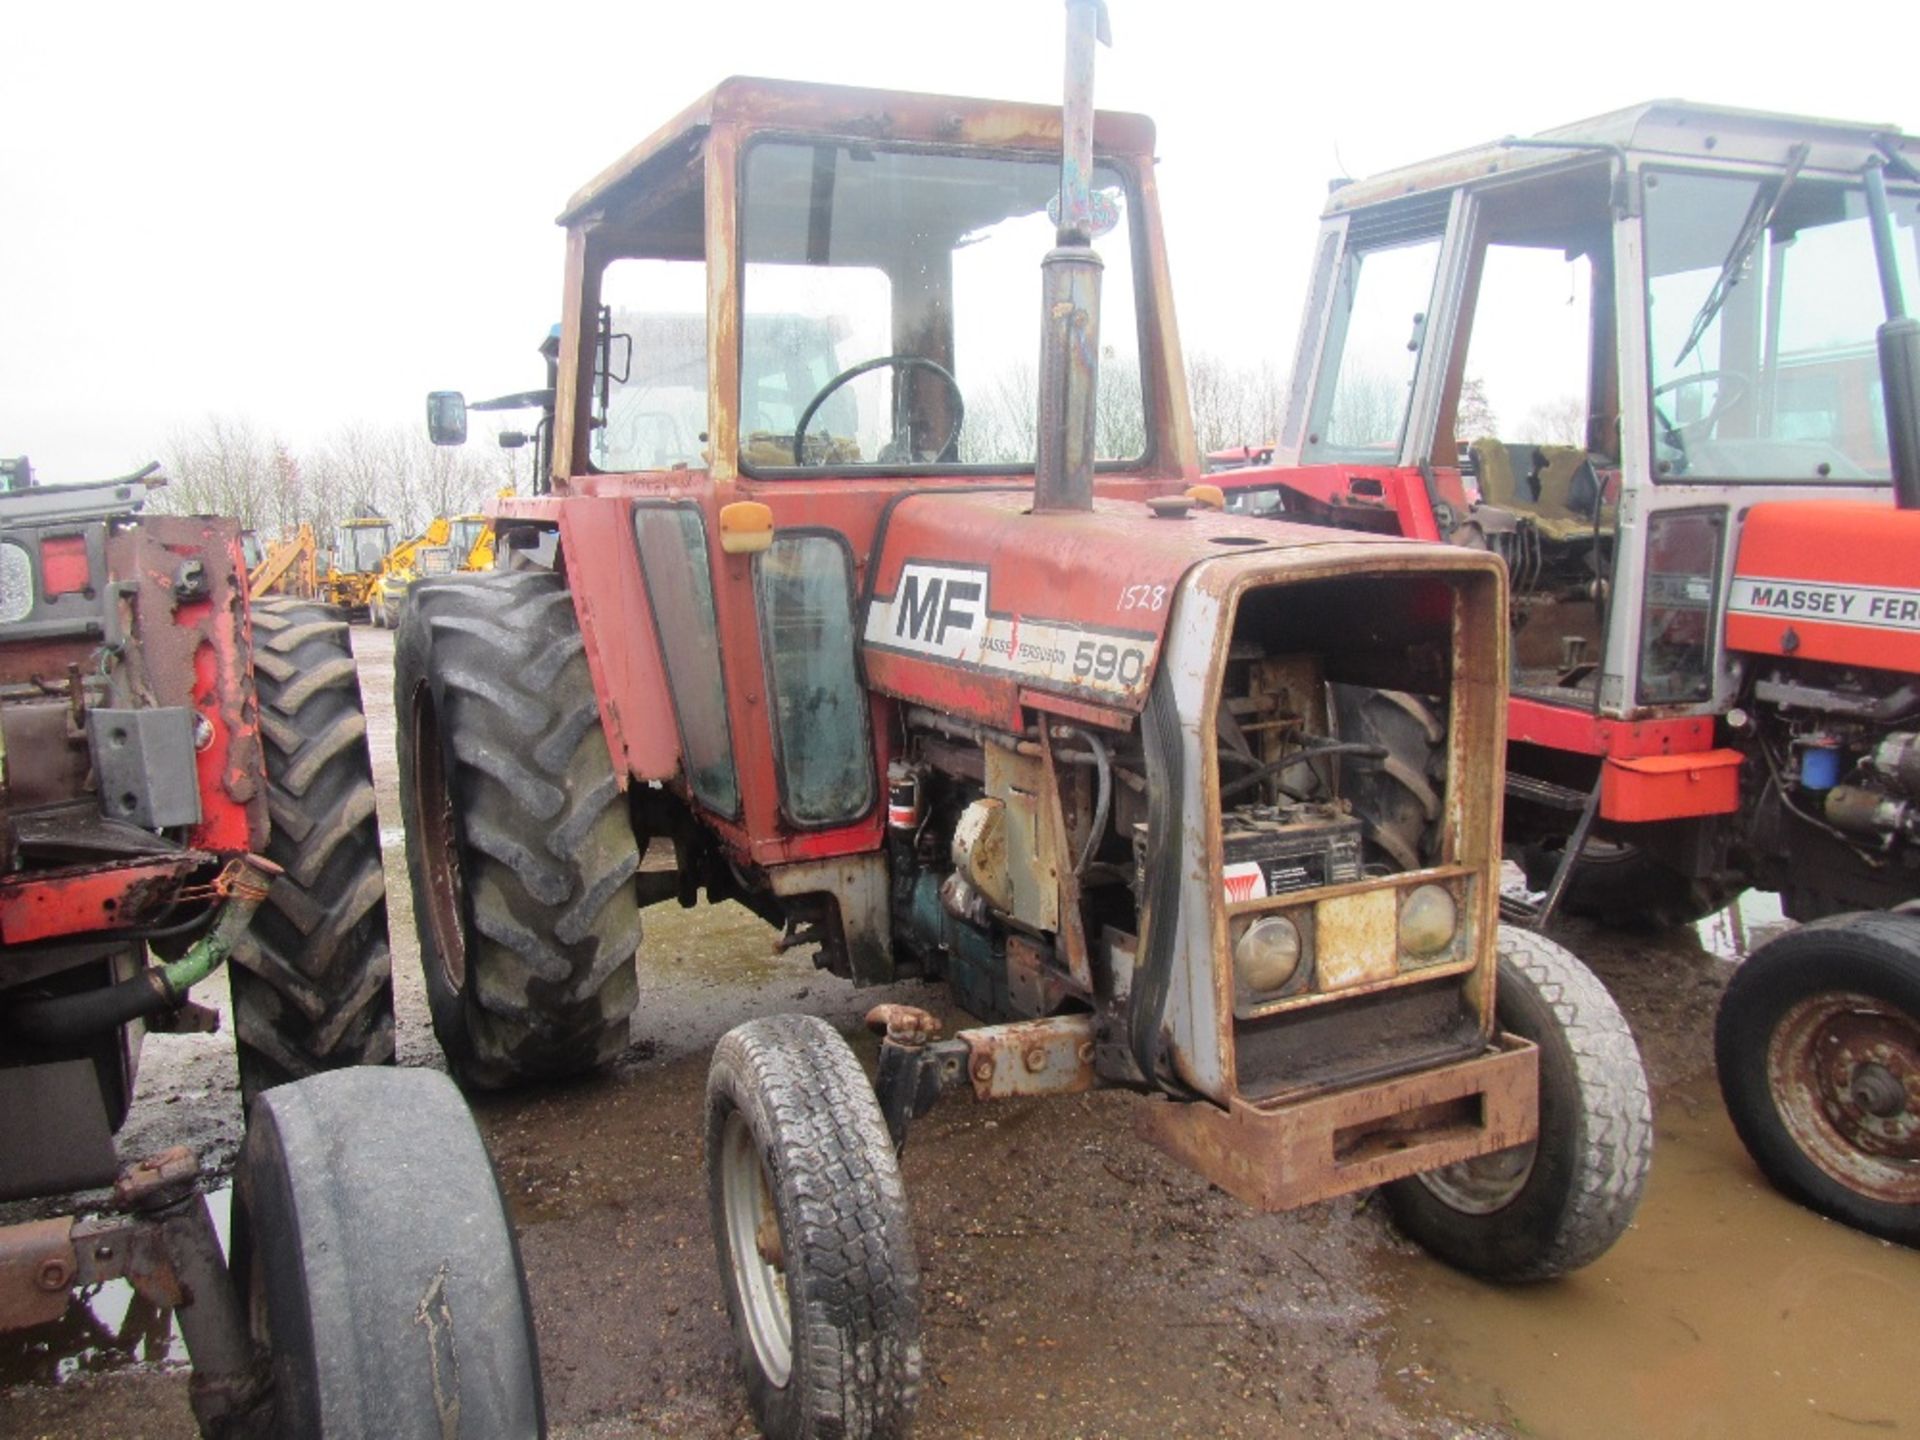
x: 1622, y: 887
x: 811, y: 1230
x: 1541, y: 1210
x: 381, y: 1274
x: 1398, y: 799
x: 519, y: 846
x: 1818, y: 1048
x: 312, y: 981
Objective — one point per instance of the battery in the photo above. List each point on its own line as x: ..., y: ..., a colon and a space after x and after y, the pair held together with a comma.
x: 1269, y: 850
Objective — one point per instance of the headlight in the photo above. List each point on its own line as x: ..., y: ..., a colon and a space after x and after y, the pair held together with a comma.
x: 1428, y: 919
x: 1267, y: 954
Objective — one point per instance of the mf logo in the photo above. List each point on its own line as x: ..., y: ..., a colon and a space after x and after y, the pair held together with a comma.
x: 938, y: 608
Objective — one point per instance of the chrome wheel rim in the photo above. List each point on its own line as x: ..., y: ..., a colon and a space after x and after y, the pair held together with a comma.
x: 1485, y: 1184
x: 754, y: 1250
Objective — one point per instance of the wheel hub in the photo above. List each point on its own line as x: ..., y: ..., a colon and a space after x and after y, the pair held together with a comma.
x: 1844, y: 1071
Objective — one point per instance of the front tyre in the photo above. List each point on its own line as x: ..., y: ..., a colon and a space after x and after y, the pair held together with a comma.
x: 381, y: 1275
x: 1818, y: 1047
x: 811, y: 1231
x: 1541, y: 1210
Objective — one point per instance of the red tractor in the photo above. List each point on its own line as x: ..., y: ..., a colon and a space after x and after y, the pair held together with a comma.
x: 184, y: 782
x: 935, y: 664
x: 1639, y: 358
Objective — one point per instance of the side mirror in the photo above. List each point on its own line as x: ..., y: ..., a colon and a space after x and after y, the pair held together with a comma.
x: 447, y: 417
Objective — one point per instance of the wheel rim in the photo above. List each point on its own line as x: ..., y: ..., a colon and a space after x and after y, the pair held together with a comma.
x: 1844, y: 1073
x: 754, y: 1250
x: 439, y: 850
x: 1484, y: 1184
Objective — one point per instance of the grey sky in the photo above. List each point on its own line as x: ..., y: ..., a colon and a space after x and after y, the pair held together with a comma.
x: 312, y: 214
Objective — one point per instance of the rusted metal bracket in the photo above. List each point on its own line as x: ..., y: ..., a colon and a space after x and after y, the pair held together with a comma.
x: 166, y: 1247
x: 1289, y: 1155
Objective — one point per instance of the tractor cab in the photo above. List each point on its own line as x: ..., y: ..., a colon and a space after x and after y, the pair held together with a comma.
x: 1593, y: 351
x: 783, y: 285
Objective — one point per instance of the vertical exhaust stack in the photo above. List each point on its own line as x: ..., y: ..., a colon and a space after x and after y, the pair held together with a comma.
x: 1899, y: 341
x: 1070, y: 289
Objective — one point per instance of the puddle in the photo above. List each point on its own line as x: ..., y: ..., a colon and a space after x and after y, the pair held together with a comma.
x: 1726, y: 1312
x: 107, y: 1327
x: 1751, y: 921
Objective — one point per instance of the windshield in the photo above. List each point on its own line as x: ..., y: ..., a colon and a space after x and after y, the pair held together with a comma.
x: 461, y: 534
x: 361, y: 548
x: 895, y: 295
x: 1762, y: 303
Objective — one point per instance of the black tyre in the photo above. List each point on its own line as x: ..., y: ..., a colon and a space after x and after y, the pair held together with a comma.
x: 1818, y: 1047
x: 811, y: 1230
x: 312, y: 981
x: 519, y: 846
x: 380, y: 1270
x: 1624, y: 888
x: 1541, y: 1210
x: 1398, y: 799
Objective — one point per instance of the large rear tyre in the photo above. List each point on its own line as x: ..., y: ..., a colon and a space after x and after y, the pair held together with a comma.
x: 1818, y: 1048
x: 380, y: 1271
x: 520, y: 850
x: 1541, y: 1210
x: 1398, y: 799
x: 811, y: 1230
x: 312, y: 981
x: 1622, y: 887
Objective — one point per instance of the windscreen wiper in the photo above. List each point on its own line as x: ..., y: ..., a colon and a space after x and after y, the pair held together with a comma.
x: 1760, y: 214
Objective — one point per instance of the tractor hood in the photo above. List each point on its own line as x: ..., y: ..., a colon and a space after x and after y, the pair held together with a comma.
x: 973, y: 599
x: 1829, y: 580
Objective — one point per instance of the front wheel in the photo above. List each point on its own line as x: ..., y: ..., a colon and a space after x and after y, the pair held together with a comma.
x: 1818, y: 1048
x: 811, y: 1231
x: 380, y: 1271
x: 1543, y: 1209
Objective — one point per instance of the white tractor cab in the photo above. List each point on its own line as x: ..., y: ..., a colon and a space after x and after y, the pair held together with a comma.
x: 1643, y: 357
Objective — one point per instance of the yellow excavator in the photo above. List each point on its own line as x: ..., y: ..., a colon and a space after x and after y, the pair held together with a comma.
x: 289, y: 567
x: 427, y: 553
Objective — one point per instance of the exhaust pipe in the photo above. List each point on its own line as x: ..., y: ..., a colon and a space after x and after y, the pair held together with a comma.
x: 1070, y: 289
x: 1899, y: 342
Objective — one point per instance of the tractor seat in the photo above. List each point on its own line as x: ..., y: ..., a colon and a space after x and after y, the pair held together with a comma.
x: 1553, y: 485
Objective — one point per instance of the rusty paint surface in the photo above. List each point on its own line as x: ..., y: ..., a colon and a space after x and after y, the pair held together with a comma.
x: 1284, y: 1156
x: 1842, y: 1069
x: 37, y: 1263
x: 1356, y: 939
x: 1031, y: 1057
x: 41, y: 905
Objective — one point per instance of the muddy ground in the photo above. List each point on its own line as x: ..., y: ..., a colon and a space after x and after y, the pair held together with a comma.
x: 1077, y: 1283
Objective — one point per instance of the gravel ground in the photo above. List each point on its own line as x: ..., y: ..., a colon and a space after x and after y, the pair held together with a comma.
x: 1077, y: 1283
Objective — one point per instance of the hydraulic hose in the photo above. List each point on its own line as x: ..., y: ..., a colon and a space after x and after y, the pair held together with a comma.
x: 64, y: 1019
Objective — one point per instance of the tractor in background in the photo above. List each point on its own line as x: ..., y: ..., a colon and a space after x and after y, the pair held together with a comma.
x: 951, y: 685
x: 185, y: 784
x: 1642, y: 359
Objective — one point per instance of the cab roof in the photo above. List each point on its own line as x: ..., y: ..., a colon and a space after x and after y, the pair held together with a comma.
x: 1663, y: 129
x: 796, y: 107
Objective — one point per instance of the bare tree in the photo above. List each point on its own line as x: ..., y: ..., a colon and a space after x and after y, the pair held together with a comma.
x: 1559, y: 421
x: 1475, y: 418
x: 1232, y: 404
x: 222, y: 467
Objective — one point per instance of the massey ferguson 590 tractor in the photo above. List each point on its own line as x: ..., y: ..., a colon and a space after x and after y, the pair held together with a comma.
x: 935, y: 663
x: 184, y: 782
x: 1642, y: 358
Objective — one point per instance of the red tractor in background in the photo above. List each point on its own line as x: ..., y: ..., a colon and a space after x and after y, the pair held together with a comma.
x: 936, y: 665
x: 1638, y: 358
x: 184, y: 782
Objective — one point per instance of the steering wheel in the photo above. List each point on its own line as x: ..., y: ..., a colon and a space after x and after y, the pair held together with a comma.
x: 1734, y: 387
x: 902, y: 441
